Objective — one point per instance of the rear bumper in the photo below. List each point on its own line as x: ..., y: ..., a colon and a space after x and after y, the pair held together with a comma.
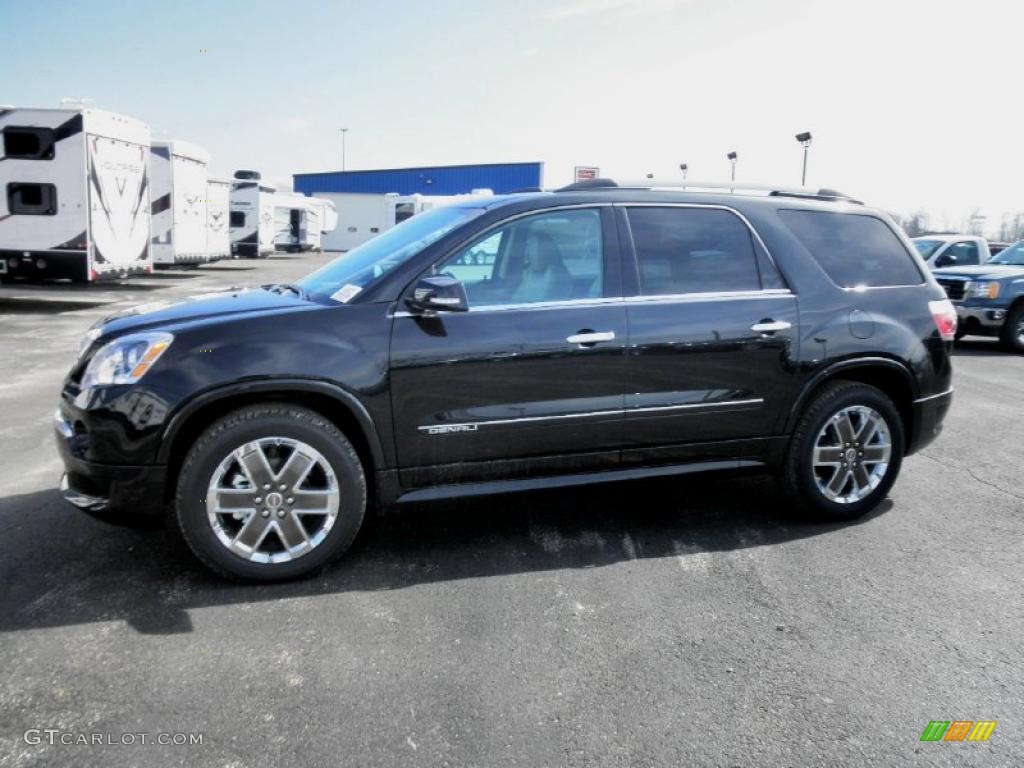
x: 112, y: 493
x: 929, y: 413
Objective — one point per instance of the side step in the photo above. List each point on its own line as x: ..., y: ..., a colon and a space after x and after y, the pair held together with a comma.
x: 493, y: 487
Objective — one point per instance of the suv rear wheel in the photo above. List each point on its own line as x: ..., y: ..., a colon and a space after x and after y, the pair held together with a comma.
x: 270, y: 492
x: 846, y: 452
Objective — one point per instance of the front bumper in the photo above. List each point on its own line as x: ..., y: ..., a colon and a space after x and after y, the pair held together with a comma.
x: 929, y: 413
x: 124, y: 495
x: 980, y: 319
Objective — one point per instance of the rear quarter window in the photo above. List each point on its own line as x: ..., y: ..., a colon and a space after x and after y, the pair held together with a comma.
x: 854, y: 249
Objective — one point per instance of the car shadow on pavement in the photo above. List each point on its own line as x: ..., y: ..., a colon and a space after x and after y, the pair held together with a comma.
x: 980, y: 347
x: 61, y: 567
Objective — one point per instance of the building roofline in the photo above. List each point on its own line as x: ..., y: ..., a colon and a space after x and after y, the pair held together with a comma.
x: 419, y: 168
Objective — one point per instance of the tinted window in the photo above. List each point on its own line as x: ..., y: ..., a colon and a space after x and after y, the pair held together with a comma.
x: 854, y: 250
x: 28, y: 143
x: 238, y: 218
x: 555, y: 256
x: 32, y: 199
x: 693, y: 250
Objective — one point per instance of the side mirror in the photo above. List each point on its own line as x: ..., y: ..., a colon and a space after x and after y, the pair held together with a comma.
x: 439, y: 293
x: 945, y: 260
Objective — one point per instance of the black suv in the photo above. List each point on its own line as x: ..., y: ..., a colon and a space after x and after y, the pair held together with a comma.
x: 611, y: 332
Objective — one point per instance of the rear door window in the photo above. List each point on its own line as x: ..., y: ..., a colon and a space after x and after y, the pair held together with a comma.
x: 696, y: 250
x: 854, y: 249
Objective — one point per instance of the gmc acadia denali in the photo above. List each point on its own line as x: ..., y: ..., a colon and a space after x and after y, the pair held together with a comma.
x: 592, y: 333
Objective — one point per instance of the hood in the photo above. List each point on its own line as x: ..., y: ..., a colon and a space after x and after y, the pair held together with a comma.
x: 987, y: 271
x: 197, y: 308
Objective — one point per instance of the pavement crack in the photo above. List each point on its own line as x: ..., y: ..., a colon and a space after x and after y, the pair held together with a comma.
x: 971, y: 472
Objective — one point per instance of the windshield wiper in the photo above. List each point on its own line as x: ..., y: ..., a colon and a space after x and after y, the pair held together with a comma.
x: 282, y: 287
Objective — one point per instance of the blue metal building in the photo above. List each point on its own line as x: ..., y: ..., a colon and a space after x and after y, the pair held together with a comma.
x: 436, y: 180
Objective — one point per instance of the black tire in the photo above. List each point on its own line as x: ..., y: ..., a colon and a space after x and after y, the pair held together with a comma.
x: 798, y: 476
x: 253, y: 423
x: 1012, y: 333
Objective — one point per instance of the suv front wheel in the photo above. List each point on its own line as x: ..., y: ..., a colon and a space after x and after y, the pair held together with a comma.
x: 270, y: 492
x: 845, y: 453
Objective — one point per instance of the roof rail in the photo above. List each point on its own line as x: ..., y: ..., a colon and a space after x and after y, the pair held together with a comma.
x: 737, y: 188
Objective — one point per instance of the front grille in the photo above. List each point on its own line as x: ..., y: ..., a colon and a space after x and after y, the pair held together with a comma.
x: 955, y: 289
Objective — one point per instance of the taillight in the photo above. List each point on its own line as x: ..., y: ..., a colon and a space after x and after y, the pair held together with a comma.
x: 944, y: 315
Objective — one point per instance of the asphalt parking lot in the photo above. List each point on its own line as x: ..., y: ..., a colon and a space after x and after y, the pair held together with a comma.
x: 677, y: 622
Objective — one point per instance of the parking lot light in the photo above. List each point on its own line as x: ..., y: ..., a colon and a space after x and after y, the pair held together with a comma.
x: 805, y: 141
x: 732, y: 159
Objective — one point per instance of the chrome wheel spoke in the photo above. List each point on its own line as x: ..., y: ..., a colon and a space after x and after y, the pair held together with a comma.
x: 290, y: 529
x: 844, y: 426
x: 234, y: 499
x: 255, y: 465
x: 828, y: 454
x: 839, y: 480
x: 312, y: 502
x: 868, y: 429
x: 861, y: 478
x: 876, y: 453
x: 295, y: 470
x: 253, y: 531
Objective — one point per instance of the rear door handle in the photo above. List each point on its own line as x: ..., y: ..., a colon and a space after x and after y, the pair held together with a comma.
x: 590, y: 337
x: 771, y: 326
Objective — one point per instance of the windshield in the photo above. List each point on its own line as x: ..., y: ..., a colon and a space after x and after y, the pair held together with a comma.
x: 927, y: 247
x: 346, y: 276
x: 1012, y: 255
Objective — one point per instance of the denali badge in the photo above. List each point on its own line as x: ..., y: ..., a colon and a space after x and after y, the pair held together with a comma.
x: 444, y: 429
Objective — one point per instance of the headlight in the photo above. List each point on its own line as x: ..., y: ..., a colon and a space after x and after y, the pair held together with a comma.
x: 125, y: 360
x: 984, y: 290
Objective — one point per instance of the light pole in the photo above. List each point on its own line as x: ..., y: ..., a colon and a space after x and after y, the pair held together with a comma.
x: 684, y: 168
x: 732, y: 159
x: 343, y: 132
x: 805, y: 142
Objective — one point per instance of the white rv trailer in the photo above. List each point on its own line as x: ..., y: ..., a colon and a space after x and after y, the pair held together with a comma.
x: 218, y: 206
x: 361, y: 217
x: 179, y: 203
x: 74, y: 194
x: 252, y: 215
x: 301, y: 221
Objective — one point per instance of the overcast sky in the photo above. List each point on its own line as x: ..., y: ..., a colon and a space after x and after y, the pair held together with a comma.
x: 912, y: 104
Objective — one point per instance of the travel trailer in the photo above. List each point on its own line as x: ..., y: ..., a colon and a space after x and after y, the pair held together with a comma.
x: 218, y: 206
x: 360, y: 217
x: 75, y: 201
x: 179, y: 203
x: 252, y: 216
x: 301, y: 221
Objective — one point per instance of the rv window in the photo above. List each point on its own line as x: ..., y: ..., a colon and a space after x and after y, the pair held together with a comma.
x: 32, y: 199
x: 238, y: 218
x: 404, y: 211
x: 28, y: 143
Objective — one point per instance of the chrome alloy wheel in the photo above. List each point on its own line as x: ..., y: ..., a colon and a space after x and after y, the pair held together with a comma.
x: 1019, y: 331
x: 851, y: 454
x: 272, y: 500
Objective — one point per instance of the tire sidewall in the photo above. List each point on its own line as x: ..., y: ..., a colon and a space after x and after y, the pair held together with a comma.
x: 803, y: 455
x: 206, y: 456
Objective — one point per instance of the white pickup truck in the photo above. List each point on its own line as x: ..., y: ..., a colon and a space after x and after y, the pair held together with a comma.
x: 952, y: 250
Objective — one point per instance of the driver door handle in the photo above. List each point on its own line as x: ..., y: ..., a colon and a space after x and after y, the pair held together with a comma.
x: 771, y: 326
x: 590, y: 337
